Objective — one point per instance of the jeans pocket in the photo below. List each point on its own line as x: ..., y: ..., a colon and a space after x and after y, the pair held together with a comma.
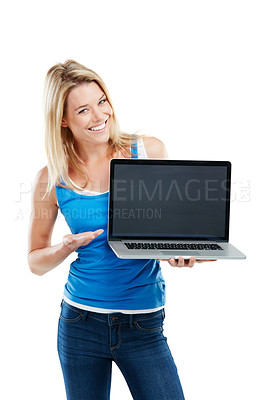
x: 152, y: 324
x: 70, y: 313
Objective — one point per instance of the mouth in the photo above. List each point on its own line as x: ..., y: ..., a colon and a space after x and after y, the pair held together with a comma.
x: 98, y: 128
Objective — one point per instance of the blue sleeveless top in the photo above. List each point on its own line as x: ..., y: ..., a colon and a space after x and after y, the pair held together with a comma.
x: 98, y: 278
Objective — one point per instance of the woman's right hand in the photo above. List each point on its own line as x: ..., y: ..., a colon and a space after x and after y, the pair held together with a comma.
x: 73, y: 241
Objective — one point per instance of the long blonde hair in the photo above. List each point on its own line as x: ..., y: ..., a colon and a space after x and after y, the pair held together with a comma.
x: 59, y: 141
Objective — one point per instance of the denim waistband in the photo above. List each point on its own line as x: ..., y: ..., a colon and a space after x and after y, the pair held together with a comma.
x: 117, y: 317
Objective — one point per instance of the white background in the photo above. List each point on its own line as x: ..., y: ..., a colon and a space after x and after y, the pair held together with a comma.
x: 191, y: 73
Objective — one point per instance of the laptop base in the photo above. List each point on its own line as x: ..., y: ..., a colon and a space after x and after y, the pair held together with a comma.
x: 228, y: 252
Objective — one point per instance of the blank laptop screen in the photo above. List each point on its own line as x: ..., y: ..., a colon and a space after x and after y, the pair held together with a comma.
x: 163, y: 200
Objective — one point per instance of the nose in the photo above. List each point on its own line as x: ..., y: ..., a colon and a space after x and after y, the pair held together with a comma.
x: 97, y: 114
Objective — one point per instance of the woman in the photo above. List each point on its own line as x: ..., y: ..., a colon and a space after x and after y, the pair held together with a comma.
x: 113, y: 309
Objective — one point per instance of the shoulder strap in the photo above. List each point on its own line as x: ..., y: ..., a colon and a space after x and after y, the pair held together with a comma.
x: 134, y: 147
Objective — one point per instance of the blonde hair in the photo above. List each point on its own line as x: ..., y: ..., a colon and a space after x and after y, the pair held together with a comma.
x: 59, y: 141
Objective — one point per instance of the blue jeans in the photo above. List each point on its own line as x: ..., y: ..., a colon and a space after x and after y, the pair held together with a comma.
x: 88, y: 342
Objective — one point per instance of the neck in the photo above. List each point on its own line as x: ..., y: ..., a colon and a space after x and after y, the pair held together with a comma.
x: 92, y: 153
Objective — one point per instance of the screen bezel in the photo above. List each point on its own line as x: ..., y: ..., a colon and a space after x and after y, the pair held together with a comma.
x: 128, y: 161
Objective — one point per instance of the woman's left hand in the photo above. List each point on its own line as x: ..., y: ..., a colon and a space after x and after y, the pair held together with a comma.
x: 181, y: 262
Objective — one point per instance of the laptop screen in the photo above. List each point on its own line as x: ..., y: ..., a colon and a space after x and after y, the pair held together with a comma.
x: 168, y: 199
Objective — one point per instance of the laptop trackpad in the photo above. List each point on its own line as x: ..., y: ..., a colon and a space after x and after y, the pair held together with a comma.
x: 171, y: 253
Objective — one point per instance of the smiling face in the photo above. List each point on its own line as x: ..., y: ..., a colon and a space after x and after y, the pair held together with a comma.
x: 87, y: 114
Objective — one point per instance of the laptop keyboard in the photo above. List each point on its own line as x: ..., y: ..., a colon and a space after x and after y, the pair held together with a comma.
x: 173, y: 246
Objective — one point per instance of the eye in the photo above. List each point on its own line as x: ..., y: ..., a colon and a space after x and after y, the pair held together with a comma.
x: 83, y: 111
x: 102, y: 101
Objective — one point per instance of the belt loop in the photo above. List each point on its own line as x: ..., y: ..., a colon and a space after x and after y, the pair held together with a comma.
x: 131, y: 321
x: 84, y: 316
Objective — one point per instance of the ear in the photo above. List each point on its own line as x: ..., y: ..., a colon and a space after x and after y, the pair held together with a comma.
x: 63, y: 123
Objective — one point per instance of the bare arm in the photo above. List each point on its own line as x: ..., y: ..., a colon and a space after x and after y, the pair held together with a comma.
x: 154, y: 147
x: 42, y: 257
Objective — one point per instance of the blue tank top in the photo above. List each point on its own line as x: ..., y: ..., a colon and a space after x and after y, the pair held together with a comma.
x: 98, y: 278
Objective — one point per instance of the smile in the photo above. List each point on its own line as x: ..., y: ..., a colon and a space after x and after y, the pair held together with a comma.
x: 98, y: 128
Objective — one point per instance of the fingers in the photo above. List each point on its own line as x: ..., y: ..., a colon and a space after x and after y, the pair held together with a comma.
x: 67, y: 240
x: 74, y: 241
x: 98, y: 232
x: 191, y: 262
x: 181, y: 262
x: 89, y: 235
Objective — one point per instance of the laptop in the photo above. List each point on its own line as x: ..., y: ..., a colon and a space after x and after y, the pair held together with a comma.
x: 162, y: 209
